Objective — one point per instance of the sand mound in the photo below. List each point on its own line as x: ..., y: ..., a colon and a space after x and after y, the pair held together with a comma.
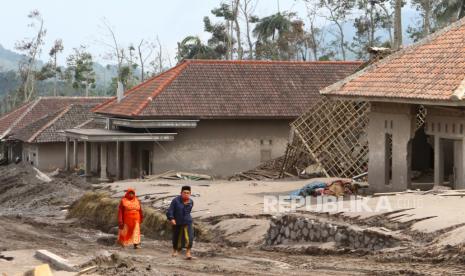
x: 23, y: 190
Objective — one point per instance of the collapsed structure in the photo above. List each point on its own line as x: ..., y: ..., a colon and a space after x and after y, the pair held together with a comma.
x: 416, y: 118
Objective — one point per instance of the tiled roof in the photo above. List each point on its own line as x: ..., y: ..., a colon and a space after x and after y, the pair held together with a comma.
x: 50, y: 127
x: 38, y: 109
x: 430, y: 70
x: 230, y: 89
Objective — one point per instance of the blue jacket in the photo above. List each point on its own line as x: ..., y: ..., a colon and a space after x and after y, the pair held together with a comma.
x: 180, y: 212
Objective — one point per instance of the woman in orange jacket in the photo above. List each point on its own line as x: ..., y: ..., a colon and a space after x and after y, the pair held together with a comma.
x: 130, y: 218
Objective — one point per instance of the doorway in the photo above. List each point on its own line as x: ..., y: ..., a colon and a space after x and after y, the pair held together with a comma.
x: 146, y: 162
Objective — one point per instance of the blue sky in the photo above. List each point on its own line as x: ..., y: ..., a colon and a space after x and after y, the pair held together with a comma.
x: 80, y: 21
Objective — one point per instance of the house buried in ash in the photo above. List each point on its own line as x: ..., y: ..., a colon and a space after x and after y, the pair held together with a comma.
x: 206, y: 116
x: 417, y: 115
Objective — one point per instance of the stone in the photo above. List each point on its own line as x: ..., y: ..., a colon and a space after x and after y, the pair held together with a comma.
x: 332, y: 230
x: 305, y: 232
x: 301, y: 224
x: 293, y: 235
x: 286, y: 232
x: 312, y: 235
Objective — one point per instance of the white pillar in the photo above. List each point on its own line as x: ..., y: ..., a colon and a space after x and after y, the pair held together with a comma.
x: 118, y: 160
x: 103, y: 162
x: 75, y: 153
x: 94, y: 157
x: 67, y: 154
x: 87, y: 159
x: 438, y: 161
x: 459, y: 152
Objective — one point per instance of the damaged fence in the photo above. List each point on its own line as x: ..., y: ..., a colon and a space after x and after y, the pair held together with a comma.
x: 333, y: 135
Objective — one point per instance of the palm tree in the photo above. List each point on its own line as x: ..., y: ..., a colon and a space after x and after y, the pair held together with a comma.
x: 270, y: 26
x: 192, y: 47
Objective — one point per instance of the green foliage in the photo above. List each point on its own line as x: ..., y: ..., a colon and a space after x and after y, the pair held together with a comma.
x: 193, y: 48
x: 80, y: 71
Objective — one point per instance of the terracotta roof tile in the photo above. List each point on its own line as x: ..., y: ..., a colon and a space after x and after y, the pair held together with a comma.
x: 230, y: 89
x: 38, y: 109
x: 50, y: 127
x: 430, y: 70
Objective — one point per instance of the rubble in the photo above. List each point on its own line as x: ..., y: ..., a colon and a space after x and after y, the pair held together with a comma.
x: 269, y: 170
x: 173, y: 175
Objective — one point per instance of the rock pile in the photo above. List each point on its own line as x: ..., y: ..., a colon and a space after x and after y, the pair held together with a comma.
x: 289, y: 229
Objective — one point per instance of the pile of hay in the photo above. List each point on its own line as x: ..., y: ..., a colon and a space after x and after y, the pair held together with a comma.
x: 101, y: 211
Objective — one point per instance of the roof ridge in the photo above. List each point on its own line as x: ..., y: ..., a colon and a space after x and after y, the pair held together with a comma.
x: 51, y: 122
x: 244, y: 61
x: 177, y: 71
x: 33, y: 104
x: 73, y: 97
x: 133, y: 89
x: 327, y: 90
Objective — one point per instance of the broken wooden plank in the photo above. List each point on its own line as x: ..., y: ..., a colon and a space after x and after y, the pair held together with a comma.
x: 88, y: 270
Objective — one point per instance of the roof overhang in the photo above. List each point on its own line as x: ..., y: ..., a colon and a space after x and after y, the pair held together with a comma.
x: 134, y: 123
x: 105, y: 135
x: 397, y: 100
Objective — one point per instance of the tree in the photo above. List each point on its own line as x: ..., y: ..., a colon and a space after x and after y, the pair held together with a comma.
x: 80, y: 70
x: 31, y: 48
x: 144, y: 51
x: 271, y: 34
x: 54, y: 51
x: 220, y: 39
x: 116, y: 52
x: 222, y: 33
x: 398, y: 24
x: 338, y: 12
x: 366, y: 26
x: 192, y: 47
x: 435, y: 14
x: 248, y: 10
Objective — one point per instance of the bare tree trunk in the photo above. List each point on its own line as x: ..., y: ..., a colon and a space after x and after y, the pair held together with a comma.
x: 398, y: 25
x: 314, y: 42
x: 245, y: 11
x: 427, y: 21
x: 55, y: 82
x: 461, y: 10
x: 238, y: 29
x: 141, y: 60
x: 372, y: 26
x: 342, y: 40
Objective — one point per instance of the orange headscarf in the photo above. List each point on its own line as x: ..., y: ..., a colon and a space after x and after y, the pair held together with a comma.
x: 129, y: 190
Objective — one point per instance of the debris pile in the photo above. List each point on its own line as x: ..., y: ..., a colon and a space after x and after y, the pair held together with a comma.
x: 265, y: 171
x: 173, y: 175
x: 25, y: 190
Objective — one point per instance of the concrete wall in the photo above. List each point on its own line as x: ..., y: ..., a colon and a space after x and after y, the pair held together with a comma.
x: 52, y: 155
x: 222, y: 147
x: 396, y: 120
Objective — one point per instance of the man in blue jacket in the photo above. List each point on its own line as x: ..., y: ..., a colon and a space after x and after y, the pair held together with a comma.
x: 179, y: 215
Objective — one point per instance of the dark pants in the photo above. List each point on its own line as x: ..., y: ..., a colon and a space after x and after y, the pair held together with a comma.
x: 183, y: 236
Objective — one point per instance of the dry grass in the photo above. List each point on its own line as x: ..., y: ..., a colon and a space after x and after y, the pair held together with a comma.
x: 101, y: 211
